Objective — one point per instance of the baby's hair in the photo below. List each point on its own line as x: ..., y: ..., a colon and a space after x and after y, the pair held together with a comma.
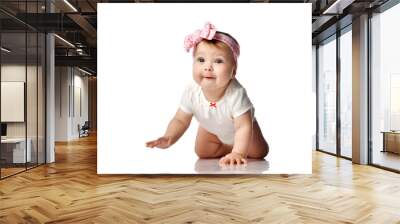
x: 219, y: 44
x: 227, y: 34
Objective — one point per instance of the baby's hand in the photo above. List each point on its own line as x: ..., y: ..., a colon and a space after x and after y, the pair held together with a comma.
x: 162, y: 142
x: 232, y: 158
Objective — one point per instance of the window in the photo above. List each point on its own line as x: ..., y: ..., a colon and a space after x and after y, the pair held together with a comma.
x: 327, y: 96
x: 385, y: 88
x: 346, y: 93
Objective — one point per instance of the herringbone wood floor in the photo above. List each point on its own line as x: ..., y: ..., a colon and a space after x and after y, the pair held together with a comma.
x: 70, y: 191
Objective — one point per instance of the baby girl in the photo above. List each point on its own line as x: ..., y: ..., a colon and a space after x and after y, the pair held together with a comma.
x: 227, y: 126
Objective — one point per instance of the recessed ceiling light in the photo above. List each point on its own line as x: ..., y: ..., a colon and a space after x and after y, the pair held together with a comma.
x: 64, y: 40
x: 70, y: 5
x: 5, y: 49
x: 86, y: 72
x: 337, y: 7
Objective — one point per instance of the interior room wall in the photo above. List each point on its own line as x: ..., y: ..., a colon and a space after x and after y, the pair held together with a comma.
x: 70, y: 83
x: 16, y: 72
x: 80, y: 114
x: 61, y: 103
x: 32, y: 127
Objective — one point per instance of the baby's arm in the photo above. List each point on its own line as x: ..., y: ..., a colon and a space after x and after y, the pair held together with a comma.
x: 243, y: 128
x: 243, y: 131
x: 176, y: 127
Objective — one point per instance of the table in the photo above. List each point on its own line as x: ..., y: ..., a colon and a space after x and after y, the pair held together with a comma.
x: 391, y: 141
x: 15, y: 148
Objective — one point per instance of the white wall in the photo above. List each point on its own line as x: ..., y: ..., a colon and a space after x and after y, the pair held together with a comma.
x: 70, y: 83
x: 61, y: 103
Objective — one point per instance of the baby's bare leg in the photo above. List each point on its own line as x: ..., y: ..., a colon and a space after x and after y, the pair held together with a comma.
x: 209, y: 146
x: 258, y: 147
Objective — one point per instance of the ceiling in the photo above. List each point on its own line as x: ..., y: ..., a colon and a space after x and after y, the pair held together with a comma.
x: 76, y: 22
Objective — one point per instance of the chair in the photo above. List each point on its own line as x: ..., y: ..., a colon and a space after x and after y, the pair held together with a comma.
x: 84, y: 130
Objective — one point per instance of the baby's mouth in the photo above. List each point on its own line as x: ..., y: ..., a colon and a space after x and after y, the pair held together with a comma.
x: 209, y: 77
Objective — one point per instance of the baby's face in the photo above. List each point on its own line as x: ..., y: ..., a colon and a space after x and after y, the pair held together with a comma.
x: 213, y: 67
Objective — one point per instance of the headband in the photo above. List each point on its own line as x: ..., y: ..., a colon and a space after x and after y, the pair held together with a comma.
x: 209, y: 32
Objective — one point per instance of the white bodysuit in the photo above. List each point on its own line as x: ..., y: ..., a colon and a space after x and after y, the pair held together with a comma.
x: 218, y: 118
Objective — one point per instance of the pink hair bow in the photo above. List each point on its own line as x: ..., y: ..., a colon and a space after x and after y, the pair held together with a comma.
x: 208, y: 32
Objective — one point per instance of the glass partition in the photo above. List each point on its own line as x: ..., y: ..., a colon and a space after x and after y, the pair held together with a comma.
x: 13, y: 109
x: 41, y: 86
x: 33, y: 73
x: 32, y: 95
x: 22, y: 77
x: 327, y: 95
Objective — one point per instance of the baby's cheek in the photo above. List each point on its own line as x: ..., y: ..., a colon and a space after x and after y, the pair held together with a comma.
x: 196, y: 78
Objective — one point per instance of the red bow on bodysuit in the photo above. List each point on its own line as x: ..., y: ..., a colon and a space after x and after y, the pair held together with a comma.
x: 213, y: 104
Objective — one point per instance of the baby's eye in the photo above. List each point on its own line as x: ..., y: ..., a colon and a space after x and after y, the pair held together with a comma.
x: 200, y: 59
x: 219, y: 61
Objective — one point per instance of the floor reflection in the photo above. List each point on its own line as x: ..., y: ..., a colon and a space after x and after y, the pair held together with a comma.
x: 386, y: 159
x: 211, y: 166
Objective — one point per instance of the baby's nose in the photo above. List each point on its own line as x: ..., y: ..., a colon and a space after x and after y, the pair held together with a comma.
x: 207, y: 67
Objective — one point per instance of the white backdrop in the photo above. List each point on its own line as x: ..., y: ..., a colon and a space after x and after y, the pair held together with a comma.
x: 143, y: 70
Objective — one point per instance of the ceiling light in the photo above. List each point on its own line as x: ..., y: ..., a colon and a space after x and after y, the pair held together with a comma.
x: 338, y: 6
x: 5, y: 49
x: 70, y: 5
x: 64, y: 40
x: 86, y: 72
